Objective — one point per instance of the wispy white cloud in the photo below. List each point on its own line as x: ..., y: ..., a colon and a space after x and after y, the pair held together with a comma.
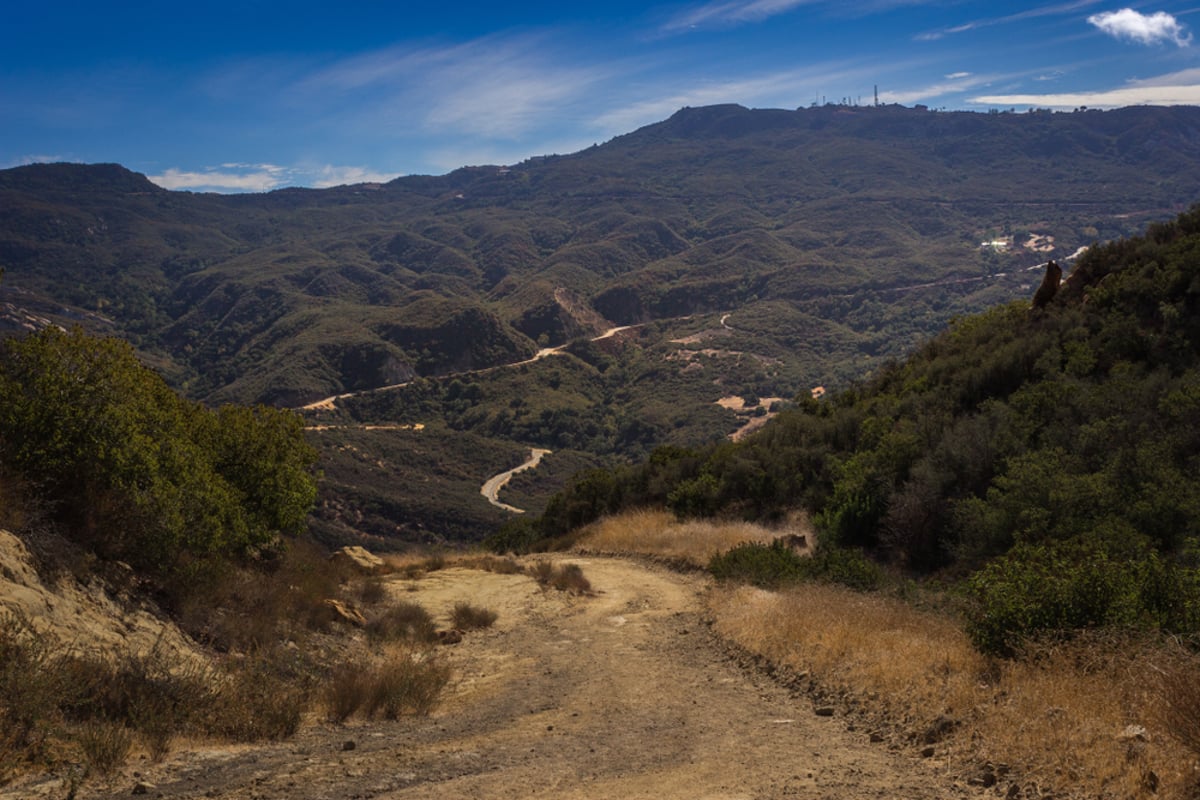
x: 329, y: 175
x: 219, y: 181
x: 237, y: 176
x: 496, y: 85
x: 1174, y: 89
x: 955, y: 83
x: 732, y: 12
x: 1033, y: 13
x: 1157, y: 28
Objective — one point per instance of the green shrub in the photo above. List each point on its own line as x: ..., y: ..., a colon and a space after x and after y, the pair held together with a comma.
x: 765, y: 565
x: 1060, y: 586
x: 775, y: 564
x: 133, y: 471
x: 519, y: 535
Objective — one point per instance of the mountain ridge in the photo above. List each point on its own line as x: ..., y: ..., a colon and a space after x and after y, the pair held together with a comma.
x: 802, y: 224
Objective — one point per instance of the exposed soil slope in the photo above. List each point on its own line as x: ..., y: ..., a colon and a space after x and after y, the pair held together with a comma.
x: 623, y: 694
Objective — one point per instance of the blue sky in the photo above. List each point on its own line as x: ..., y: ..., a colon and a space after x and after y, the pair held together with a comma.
x: 259, y: 94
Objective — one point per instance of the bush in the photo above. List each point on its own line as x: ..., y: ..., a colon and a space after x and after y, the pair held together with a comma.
x: 1077, y: 584
x: 32, y: 684
x: 135, y: 472
x: 408, y: 683
x: 566, y: 578
x: 519, y: 535
x: 467, y: 617
x: 105, y: 745
x: 346, y: 691
x: 764, y: 565
x: 775, y: 564
x: 263, y: 698
x: 404, y: 621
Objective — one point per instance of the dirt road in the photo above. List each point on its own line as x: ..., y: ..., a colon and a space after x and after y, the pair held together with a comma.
x: 492, y: 486
x: 622, y: 695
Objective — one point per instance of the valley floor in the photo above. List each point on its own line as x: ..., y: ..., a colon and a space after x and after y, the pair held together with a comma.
x: 624, y: 694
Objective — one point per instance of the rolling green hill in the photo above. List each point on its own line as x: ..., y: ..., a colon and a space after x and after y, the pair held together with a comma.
x: 758, y: 253
x: 1052, y: 454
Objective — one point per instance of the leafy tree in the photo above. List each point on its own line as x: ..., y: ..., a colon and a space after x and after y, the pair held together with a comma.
x: 135, y: 472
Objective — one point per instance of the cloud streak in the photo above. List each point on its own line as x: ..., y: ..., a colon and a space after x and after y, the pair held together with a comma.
x: 1149, y: 29
x: 234, y: 176
x: 1033, y: 13
x: 495, y: 86
x: 732, y: 12
x: 1175, y: 89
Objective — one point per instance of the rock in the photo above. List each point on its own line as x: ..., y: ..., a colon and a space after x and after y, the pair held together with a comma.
x: 343, y: 612
x: 359, y: 559
x: 1133, y: 733
x: 450, y: 636
x: 141, y: 787
x: 823, y: 711
x: 938, y: 730
x: 928, y: 752
x: 986, y: 777
x: 348, y: 745
x: 876, y: 737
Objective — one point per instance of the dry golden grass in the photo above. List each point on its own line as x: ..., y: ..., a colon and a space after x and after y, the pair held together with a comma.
x: 659, y: 534
x: 1056, y: 716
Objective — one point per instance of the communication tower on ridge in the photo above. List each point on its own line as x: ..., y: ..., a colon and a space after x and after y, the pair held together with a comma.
x: 877, y: 95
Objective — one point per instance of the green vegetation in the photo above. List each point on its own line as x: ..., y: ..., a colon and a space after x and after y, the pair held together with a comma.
x: 1051, y: 456
x: 774, y: 565
x: 834, y: 238
x: 133, y: 472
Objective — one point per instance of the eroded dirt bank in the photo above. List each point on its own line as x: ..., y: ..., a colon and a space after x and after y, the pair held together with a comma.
x: 622, y: 695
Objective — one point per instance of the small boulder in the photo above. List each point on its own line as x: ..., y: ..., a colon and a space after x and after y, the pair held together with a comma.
x: 359, y: 559
x: 450, y: 636
x: 343, y: 612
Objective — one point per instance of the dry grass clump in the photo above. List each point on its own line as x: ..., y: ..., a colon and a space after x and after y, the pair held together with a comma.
x: 234, y: 609
x: 563, y: 577
x: 402, y: 682
x: 402, y: 621
x: 1176, y: 685
x: 1060, y: 716
x: 467, y: 617
x: 657, y: 533
x: 52, y: 695
x: 105, y: 745
x: 263, y: 696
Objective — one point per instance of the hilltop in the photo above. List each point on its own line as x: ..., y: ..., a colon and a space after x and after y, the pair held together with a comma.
x: 759, y: 253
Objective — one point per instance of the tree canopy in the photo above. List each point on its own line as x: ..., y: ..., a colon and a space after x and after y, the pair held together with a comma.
x: 133, y: 471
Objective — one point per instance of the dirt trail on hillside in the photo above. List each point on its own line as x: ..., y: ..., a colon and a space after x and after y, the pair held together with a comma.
x: 492, y: 486
x: 626, y: 694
